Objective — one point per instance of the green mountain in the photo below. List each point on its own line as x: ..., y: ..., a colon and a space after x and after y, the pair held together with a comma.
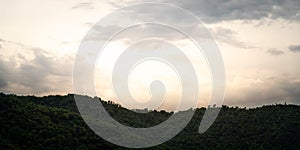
x: 53, y: 122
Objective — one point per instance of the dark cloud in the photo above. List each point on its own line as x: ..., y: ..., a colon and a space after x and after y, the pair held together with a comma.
x: 220, y: 10
x: 294, y: 48
x: 152, y: 13
x: 210, y: 11
x: 275, y: 52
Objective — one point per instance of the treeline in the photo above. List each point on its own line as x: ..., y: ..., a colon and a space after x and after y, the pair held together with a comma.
x: 53, y: 122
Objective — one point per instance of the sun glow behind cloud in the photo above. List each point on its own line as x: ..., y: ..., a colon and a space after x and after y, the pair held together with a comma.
x: 147, y: 71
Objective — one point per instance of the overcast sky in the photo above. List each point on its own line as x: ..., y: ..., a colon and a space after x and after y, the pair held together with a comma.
x: 259, y: 41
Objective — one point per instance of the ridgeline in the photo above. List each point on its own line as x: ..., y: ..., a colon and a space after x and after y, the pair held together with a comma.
x: 53, y: 122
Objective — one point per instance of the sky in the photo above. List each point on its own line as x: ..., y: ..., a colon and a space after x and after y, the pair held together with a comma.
x: 259, y: 42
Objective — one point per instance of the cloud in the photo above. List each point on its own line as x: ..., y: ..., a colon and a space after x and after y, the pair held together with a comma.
x: 275, y: 52
x: 104, y: 33
x: 245, y: 91
x: 2, y: 83
x: 294, y: 48
x: 30, y: 70
x: 230, y: 37
x: 3, y: 71
x: 84, y: 5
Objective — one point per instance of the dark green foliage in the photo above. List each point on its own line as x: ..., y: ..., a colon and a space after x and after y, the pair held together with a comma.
x: 53, y: 122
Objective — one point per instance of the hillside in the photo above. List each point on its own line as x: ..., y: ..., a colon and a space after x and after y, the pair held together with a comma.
x: 53, y: 122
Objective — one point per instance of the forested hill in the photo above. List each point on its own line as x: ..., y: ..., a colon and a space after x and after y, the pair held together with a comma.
x: 53, y: 122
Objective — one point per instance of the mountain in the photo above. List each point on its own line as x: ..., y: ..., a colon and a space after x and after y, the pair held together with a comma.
x: 53, y: 122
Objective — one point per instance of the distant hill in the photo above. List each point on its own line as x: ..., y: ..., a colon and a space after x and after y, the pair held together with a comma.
x: 53, y: 122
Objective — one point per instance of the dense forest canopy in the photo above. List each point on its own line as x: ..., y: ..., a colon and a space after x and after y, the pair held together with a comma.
x: 53, y: 122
